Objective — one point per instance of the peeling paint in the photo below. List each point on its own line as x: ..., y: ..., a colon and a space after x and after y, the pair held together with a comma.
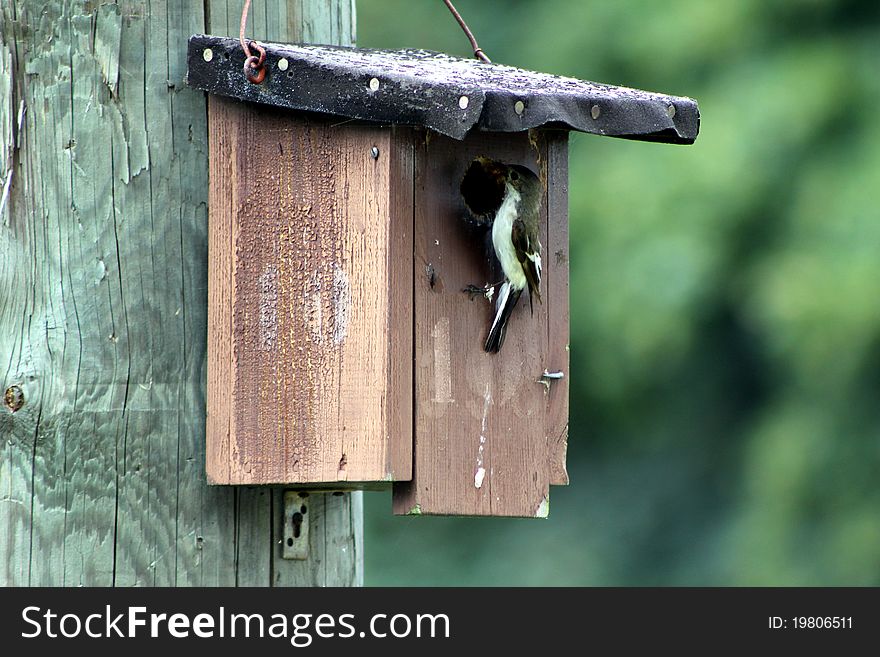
x: 268, y: 291
x: 313, y: 308
x: 8, y: 138
x: 108, y: 37
x: 341, y: 304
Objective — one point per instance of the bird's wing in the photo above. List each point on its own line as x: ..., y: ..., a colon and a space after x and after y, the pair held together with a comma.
x: 528, y: 252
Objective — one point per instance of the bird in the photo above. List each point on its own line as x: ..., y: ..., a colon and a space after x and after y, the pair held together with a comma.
x: 508, y: 197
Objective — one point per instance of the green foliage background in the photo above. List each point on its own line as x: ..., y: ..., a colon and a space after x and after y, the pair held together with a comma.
x: 725, y: 425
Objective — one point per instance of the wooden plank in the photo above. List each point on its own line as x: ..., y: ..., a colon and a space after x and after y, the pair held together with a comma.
x: 222, y: 156
x: 253, y: 540
x: 481, y: 419
x: 556, y: 266
x: 320, y: 364
x: 333, y: 560
x: 103, y: 243
x: 401, y: 171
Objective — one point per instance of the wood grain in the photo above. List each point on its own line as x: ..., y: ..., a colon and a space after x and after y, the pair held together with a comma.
x: 556, y: 272
x: 103, y: 320
x: 316, y: 387
x: 481, y: 420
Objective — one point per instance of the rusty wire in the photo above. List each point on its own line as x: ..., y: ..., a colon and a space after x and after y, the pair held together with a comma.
x: 478, y: 52
x: 254, y: 70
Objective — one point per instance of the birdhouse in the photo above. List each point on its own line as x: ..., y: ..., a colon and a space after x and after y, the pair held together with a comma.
x: 352, y: 284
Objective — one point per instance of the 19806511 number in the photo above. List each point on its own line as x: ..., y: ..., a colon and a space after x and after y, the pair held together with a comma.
x: 810, y: 623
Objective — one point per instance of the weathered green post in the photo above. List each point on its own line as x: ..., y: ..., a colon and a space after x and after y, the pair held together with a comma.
x: 103, y: 307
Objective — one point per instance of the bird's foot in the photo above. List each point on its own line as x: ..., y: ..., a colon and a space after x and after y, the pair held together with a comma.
x: 474, y: 291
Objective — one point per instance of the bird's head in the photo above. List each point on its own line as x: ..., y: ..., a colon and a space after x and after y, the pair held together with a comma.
x: 523, y: 180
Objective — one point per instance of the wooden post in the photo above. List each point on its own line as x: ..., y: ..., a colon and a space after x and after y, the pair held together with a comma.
x: 103, y: 320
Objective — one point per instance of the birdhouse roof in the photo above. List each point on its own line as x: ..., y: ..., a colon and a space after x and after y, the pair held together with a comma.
x: 447, y: 94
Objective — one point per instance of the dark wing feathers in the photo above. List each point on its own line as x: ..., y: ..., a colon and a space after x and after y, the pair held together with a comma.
x: 528, y: 255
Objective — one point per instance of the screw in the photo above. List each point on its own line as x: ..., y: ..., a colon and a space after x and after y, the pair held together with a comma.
x: 463, y: 102
x: 595, y: 111
x: 519, y: 107
x: 374, y: 153
x: 374, y: 84
x: 208, y: 54
x: 14, y: 398
x: 549, y: 377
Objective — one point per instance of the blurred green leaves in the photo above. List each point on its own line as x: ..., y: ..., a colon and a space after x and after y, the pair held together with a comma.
x: 726, y: 302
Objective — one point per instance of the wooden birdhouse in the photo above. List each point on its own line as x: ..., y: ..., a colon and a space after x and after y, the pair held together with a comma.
x: 343, y: 351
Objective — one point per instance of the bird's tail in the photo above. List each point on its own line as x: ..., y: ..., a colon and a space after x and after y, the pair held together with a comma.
x: 507, y: 299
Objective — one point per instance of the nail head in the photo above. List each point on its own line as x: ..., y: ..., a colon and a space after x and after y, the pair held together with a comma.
x: 374, y: 84
x: 374, y: 153
x: 463, y: 102
x: 283, y: 64
x: 519, y: 107
x: 595, y: 111
x: 207, y: 54
x: 670, y: 111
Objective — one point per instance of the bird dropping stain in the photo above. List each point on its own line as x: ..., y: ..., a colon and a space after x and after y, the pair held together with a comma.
x: 480, y: 472
x: 442, y: 362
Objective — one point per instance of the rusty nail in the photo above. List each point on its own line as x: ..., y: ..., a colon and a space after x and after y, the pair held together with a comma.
x: 13, y: 398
